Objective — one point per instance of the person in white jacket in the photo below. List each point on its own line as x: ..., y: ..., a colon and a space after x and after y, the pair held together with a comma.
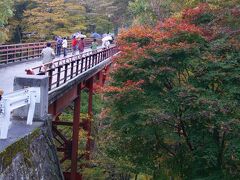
x: 64, y: 45
x: 105, y: 44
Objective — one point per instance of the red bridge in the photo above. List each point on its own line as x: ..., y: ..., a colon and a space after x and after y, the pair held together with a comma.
x: 64, y: 81
x: 26, y: 51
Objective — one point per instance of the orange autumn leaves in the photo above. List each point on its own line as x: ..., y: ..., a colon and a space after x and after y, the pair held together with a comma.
x: 192, y: 14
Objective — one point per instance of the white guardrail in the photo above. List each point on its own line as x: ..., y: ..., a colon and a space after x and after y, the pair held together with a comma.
x: 9, y: 102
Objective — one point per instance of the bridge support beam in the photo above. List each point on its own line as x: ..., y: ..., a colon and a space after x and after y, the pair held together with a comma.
x: 75, y: 136
x: 100, y: 78
x: 90, y: 116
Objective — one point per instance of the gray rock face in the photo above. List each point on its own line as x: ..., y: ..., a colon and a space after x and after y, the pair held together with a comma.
x: 33, y: 157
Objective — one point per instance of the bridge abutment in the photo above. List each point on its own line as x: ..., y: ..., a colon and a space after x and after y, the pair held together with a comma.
x: 29, y: 153
x: 41, y: 109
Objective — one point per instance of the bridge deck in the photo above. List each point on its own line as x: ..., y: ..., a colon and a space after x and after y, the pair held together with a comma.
x: 89, y: 65
x: 66, y: 78
x: 7, y: 73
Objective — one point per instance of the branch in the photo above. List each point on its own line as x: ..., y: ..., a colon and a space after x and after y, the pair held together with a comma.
x: 232, y: 33
x: 220, y: 158
x: 162, y: 146
x: 184, y: 133
x: 168, y: 84
x: 186, y: 136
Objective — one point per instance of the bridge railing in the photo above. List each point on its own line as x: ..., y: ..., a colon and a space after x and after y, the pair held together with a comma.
x: 61, y: 71
x: 15, y: 100
x: 18, y: 52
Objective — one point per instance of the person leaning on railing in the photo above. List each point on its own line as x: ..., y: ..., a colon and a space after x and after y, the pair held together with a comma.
x: 47, y: 56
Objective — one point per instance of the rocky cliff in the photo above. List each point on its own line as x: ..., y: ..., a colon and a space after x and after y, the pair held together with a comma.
x: 32, y: 157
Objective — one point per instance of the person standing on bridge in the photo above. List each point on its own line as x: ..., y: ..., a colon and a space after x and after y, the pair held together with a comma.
x: 59, y: 45
x: 106, y: 44
x: 47, y: 56
x: 81, y: 45
x: 1, y: 93
x: 64, y: 45
x: 94, y: 46
x: 74, y: 45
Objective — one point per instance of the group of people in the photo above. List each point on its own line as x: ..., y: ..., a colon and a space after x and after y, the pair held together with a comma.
x: 48, y: 53
x: 77, y: 44
x: 61, y: 43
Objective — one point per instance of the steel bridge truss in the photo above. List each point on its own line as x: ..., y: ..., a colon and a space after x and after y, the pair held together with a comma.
x: 69, y: 147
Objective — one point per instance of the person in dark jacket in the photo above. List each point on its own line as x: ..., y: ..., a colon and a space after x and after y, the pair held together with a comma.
x: 59, y: 45
x: 1, y: 93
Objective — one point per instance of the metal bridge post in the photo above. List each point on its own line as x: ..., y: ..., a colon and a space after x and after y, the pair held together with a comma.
x: 100, y: 78
x: 90, y: 116
x: 75, y: 136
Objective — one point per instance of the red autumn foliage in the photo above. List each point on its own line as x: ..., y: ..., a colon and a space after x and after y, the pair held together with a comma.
x: 137, y: 43
x: 174, y: 25
x: 192, y: 14
x: 235, y: 11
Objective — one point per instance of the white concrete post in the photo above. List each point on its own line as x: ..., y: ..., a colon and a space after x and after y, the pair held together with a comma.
x: 13, y: 101
x: 41, y: 81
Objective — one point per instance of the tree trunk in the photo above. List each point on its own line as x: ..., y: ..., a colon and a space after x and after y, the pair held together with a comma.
x: 136, y: 176
x: 156, y: 176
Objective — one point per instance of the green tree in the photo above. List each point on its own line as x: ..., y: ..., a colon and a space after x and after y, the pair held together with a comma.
x: 98, y: 15
x: 173, y: 99
x: 46, y: 19
x: 106, y: 15
x: 120, y: 15
x: 5, y: 14
x: 151, y: 11
x: 15, y: 24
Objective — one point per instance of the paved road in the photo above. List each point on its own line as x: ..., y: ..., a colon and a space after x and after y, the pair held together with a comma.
x: 8, y: 73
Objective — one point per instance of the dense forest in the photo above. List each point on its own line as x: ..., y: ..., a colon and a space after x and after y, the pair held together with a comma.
x: 31, y: 20
x: 172, y: 101
x: 170, y: 108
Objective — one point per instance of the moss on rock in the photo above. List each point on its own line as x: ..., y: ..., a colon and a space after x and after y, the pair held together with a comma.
x: 31, y: 157
x: 21, y: 146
